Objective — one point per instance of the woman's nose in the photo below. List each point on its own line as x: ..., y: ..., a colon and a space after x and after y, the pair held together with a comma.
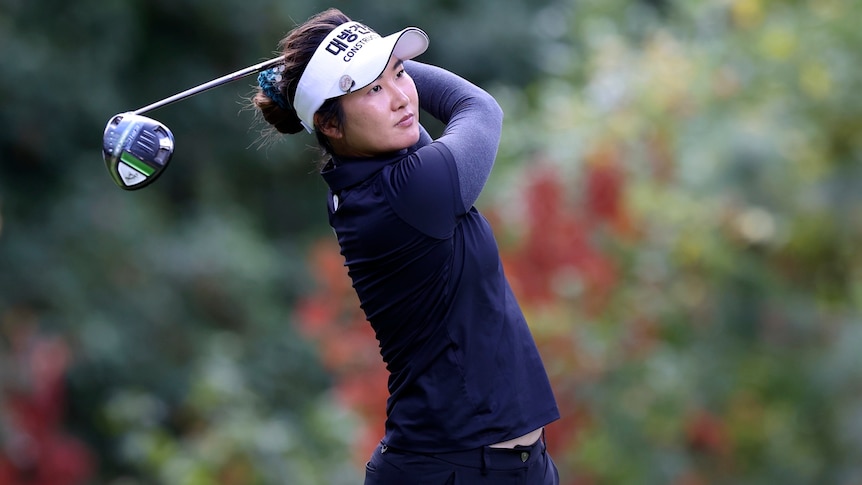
x: 399, y: 97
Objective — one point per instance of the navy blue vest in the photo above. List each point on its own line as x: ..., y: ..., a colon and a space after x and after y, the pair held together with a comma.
x: 464, y: 368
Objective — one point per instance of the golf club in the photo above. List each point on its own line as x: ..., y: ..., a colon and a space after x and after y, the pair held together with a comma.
x: 137, y: 149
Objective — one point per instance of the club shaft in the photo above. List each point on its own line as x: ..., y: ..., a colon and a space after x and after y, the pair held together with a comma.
x: 211, y: 84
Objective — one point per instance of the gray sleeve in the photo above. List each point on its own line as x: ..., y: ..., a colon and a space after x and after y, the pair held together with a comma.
x: 473, y: 120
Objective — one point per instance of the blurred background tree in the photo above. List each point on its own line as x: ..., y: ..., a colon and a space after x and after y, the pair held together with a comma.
x: 172, y: 309
x: 675, y: 198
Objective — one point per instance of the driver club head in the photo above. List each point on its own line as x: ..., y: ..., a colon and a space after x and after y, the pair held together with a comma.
x: 136, y: 149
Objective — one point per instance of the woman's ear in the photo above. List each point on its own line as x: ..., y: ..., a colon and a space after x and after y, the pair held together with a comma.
x: 330, y: 128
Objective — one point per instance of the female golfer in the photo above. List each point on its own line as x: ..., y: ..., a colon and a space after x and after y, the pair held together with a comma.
x: 468, y: 394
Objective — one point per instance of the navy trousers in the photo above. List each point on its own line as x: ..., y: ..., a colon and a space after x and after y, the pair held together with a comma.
x: 522, y: 465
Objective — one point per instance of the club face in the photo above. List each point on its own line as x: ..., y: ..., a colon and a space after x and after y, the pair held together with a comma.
x: 136, y: 149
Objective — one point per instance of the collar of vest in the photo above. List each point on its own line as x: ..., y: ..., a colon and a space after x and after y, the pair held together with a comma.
x: 343, y: 172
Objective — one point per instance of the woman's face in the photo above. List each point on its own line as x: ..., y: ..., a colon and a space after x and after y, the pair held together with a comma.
x: 380, y: 118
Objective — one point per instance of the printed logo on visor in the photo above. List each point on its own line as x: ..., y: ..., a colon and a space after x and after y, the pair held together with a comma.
x: 348, y: 41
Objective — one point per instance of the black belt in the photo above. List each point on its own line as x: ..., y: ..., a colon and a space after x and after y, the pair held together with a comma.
x: 486, y: 457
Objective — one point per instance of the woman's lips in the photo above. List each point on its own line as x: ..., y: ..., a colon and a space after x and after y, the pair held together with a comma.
x: 405, y: 121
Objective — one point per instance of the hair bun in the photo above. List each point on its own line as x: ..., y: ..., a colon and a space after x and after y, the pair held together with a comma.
x: 283, y: 120
x: 290, y: 124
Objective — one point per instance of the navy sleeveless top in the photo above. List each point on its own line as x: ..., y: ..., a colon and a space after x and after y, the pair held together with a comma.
x: 464, y: 370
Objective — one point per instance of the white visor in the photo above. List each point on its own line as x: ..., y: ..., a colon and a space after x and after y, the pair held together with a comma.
x: 351, y: 57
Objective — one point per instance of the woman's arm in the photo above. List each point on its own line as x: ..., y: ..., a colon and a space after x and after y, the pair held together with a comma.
x: 473, y: 121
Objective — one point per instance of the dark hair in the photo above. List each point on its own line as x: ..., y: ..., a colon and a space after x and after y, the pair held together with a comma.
x: 298, y: 46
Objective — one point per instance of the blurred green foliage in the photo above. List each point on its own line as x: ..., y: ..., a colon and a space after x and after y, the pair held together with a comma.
x: 722, y: 348
x: 177, y: 302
